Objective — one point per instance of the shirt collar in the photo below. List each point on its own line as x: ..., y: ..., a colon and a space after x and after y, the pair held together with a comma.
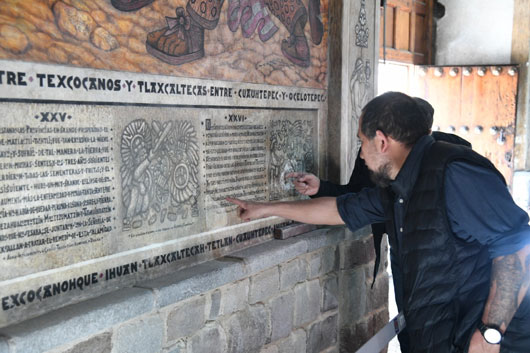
x: 408, y: 174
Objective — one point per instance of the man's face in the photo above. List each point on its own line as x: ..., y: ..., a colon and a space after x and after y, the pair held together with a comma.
x: 377, y: 163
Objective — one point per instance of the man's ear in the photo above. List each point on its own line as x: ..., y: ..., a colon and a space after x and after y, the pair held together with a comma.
x: 382, y: 141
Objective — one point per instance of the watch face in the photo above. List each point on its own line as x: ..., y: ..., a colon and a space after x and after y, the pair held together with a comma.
x: 492, y: 336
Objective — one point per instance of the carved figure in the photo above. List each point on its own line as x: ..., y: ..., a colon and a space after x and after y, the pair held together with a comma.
x: 291, y: 151
x: 159, y: 172
x: 361, y: 29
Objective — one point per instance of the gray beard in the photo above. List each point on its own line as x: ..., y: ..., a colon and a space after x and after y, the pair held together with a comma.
x: 381, y: 177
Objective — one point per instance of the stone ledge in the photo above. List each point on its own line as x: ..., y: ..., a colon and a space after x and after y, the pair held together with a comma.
x: 324, y: 237
x: 204, y: 277
x: 95, y: 315
x: 79, y: 320
x: 194, y: 280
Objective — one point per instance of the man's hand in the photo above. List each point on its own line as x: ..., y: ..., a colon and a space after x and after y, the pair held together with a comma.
x: 305, y: 183
x: 249, y: 210
x: 479, y: 345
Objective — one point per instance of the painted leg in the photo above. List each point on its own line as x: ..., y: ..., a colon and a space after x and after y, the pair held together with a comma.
x: 315, y: 21
x: 293, y: 15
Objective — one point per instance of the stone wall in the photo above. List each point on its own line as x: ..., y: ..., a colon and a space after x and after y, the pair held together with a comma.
x: 310, y: 293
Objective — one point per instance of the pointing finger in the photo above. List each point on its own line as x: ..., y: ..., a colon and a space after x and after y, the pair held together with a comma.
x: 240, y: 203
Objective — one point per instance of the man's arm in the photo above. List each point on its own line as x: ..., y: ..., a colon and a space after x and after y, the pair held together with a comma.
x: 509, y: 283
x: 510, y: 280
x: 315, y: 211
x: 493, y: 219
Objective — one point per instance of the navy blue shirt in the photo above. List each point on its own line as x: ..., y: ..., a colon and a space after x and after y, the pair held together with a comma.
x: 479, y: 205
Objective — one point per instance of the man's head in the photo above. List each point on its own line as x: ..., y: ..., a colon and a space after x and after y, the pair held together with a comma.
x: 389, y: 126
x: 426, y: 109
x: 397, y: 115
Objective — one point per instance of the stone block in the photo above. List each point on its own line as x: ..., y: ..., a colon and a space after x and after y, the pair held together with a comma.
x: 186, y: 318
x: 282, y: 314
x: 313, y: 264
x: 322, y: 334
x: 358, y: 234
x: 101, y: 343
x: 328, y: 236
x: 4, y: 346
x: 357, y: 252
x: 234, y: 297
x: 352, y: 299
x: 215, y: 304
x: 249, y: 330
x: 296, y: 342
x: 74, y: 322
x: 377, y: 297
x: 330, y: 259
x: 269, y: 349
x: 139, y: 336
x: 381, y: 318
x: 330, y: 293
x: 291, y: 273
x: 354, y: 335
x: 179, y: 347
x: 307, y: 302
x: 264, y: 285
x: 195, y: 280
x: 211, y: 338
x: 272, y: 253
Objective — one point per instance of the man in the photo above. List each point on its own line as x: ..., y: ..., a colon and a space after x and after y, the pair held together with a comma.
x: 310, y: 185
x: 462, y: 246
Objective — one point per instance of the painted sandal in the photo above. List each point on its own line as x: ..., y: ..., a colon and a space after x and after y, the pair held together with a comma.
x: 130, y: 5
x: 180, y: 42
x: 296, y: 49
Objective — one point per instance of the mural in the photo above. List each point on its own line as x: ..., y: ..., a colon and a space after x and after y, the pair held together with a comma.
x: 258, y: 41
x: 291, y: 151
x: 159, y: 172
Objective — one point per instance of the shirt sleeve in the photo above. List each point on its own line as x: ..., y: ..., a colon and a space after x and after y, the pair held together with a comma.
x: 360, y: 209
x: 480, y: 207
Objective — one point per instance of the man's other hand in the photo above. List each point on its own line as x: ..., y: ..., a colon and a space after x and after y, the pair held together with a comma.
x: 249, y: 210
x: 305, y: 183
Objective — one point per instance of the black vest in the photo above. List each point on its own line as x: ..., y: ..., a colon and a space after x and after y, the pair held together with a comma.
x: 445, y: 280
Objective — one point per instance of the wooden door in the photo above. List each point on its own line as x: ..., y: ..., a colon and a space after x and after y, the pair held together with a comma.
x: 476, y: 103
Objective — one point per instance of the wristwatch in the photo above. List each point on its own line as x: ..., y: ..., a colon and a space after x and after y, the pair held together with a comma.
x: 491, y: 334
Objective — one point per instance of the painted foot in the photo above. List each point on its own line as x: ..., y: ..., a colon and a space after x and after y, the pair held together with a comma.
x: 180, y: 42
x: 295, y: 49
